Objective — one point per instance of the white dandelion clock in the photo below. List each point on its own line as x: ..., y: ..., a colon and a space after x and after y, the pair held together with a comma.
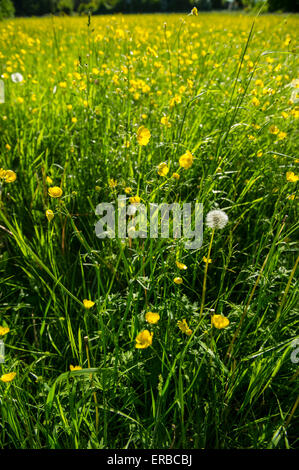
x: 132, y: 209
x: 17, y: 77
x: 216, y: 219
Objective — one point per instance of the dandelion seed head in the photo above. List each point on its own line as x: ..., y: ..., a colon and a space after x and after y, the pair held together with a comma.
x: 132, y: 209
x: 216, y: 219
x: 17, y: 77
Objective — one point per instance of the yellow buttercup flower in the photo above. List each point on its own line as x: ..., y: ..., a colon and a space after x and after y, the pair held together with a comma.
x: 143, y: 135
x: 186, y: 160
x: 10, y: 176
x: 259, y: 83
x: 282, y: 135
x: 206, y: 260
x: 88, y: 303
x: 291, y: 177
x: 144, y: 339
x: 183, y: 326
x: 273, y: 130
x: 49, y: 180
x: 178, y: 280
x: 135, y: 200
x: 55, y: 191
x: 49, y: 215
x: 128, y: 190
x: 194, y: 11
x: 219, y: 321
x: 112, y: 183
x: 163, y: 169
x: 152, y: 317
x: 8, y: 377
x: 3, y: 330
x: 75, y: 367
x: 177, y: 99
x: 180, y: 265
x: 165, y: 121
x: 176, y: 176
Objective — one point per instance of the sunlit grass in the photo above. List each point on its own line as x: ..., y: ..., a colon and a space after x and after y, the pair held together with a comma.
x: 142, y: 343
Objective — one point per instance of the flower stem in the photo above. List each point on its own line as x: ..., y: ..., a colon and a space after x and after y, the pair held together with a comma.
x: 203, y: 295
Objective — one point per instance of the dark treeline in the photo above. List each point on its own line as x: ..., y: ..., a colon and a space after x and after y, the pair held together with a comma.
x: 42, y: 7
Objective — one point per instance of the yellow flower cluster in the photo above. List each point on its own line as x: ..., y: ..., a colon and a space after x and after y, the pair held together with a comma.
x: 163, y: 169
x: 49, y: 215
x: 183, y: 326
x: 186, y: 160
x: 4, y: 330
x: 72, y: 368
x: 152, y: 317
x: 88, y: 303
x: 291, y: 177
x: 143, y: 135
x: 8, y: 377
x: 144, y: 339
x: 8, y: 176
x: 180, y: 265
x: 219, y: 321
x: 55, y: 191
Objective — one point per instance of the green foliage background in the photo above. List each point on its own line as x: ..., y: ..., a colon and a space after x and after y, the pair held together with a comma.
x: 6, y: 9
x: 43, y: 7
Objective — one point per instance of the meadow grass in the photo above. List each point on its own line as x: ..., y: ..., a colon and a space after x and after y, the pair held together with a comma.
x: 222, y: 87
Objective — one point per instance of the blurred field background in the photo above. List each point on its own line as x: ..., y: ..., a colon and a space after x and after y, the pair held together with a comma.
x: 79, y: 7
x: 79, y: 92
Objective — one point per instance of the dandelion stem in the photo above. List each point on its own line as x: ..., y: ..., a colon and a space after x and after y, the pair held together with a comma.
x: 205, y: 276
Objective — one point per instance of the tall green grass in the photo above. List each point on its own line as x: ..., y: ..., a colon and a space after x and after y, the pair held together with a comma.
x: 230, y: 388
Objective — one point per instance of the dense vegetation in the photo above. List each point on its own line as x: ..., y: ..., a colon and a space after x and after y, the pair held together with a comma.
x: 143, y: 343
x: 43, y: 7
